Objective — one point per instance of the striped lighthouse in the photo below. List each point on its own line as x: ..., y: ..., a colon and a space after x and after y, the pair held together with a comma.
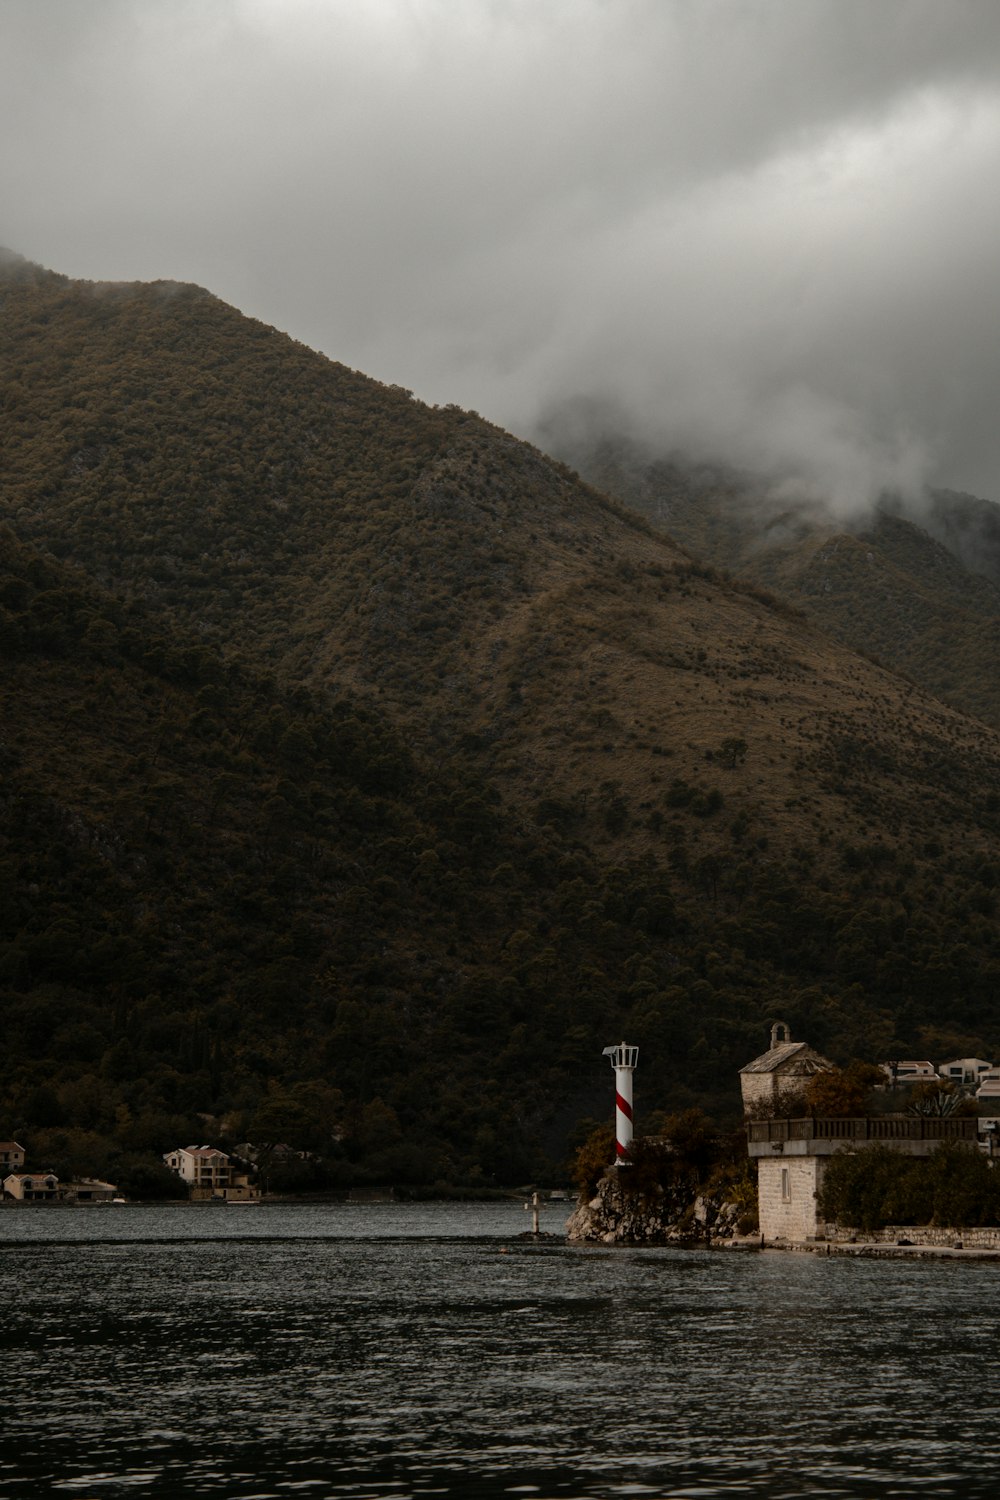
x: 623, y: 1059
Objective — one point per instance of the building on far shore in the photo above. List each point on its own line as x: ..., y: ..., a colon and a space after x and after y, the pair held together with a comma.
x: 968, y: 1070
x: 210, y: 1174
x: 89, y: 1190
x: 45, y: 1187
x: 910, y: 1070
x: 32, y: 1187
x: 11, y: 1158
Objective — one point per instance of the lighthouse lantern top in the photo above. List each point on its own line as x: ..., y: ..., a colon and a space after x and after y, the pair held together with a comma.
x: 622, y: 1056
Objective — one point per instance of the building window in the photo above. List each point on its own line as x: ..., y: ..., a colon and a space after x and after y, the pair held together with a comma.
x: 786, y: 1186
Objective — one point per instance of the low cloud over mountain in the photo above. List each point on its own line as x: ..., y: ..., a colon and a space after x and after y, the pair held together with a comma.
x: 766, y: 230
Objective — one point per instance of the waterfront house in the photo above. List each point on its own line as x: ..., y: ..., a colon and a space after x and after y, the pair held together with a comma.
x: 210, y: 1174
x: 11, y: 1158
x: 32, y: 1187
x: 89, y: 1190
x: 792, y: 1155
x: 206, y: 1169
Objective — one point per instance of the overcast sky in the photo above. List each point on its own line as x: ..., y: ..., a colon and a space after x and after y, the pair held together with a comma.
x: 769, y: 229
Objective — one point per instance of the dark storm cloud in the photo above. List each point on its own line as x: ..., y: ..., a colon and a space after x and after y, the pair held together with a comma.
x: 769, y: 230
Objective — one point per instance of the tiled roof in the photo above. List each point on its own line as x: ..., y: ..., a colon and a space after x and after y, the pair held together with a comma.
x: 771, y: 1061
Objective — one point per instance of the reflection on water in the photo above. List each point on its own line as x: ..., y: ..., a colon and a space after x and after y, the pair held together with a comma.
x: 394, y: 1350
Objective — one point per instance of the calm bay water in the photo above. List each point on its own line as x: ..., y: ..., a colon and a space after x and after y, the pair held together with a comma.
x: 396, y: 1350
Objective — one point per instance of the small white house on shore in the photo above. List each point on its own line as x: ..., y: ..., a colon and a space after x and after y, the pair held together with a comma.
x: 32, y: 1187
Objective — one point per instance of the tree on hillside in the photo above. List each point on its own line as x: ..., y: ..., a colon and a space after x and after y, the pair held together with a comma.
x: 732, y: 752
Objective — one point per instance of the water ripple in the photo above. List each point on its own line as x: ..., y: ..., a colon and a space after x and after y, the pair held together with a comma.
x: 415, y: 1360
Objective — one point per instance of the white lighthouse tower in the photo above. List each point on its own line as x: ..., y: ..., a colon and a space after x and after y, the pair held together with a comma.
x: 623, y: 1060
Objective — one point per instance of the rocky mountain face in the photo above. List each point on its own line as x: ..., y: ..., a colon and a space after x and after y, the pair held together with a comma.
x: 352, y: 745
x: 916, y: 587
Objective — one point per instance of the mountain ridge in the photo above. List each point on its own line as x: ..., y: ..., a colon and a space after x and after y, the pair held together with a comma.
x: 574, y: 778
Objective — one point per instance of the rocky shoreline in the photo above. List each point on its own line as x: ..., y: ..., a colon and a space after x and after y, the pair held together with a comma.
x: 616, y: 1216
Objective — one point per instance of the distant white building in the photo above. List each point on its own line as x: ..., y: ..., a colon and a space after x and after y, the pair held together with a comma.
x: 989, y: 1084
x: 201, y: 1166
x: 964, y: 1069
x: 909, y: 1071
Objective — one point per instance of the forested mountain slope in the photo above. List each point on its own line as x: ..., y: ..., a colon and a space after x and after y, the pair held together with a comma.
x: 365, y: 772
x: 222, y: 898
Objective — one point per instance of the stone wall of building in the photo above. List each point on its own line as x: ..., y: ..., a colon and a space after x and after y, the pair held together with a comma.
x: 787, y: 1189
x: 758, y: 1092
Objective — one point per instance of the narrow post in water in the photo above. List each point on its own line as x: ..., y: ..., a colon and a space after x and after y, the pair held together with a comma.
x: 623, y: 1060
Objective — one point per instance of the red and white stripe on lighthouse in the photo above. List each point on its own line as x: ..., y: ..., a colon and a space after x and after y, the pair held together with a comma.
x: 623, y: 1060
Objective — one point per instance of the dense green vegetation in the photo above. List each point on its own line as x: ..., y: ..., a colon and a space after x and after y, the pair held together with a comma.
x: 364, y: 774
x: 869, y: 1189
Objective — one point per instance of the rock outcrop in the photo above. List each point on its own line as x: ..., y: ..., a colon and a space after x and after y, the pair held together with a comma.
x: 618, y: 1216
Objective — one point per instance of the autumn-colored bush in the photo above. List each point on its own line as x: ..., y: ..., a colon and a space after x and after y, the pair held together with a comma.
x: 843, y: 1091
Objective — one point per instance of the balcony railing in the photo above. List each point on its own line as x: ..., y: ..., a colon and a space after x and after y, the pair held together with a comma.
x: 865, y: 1128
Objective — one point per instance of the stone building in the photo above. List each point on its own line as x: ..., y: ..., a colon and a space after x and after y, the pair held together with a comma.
x: 792, y: 1153
x: 780, y: 1074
